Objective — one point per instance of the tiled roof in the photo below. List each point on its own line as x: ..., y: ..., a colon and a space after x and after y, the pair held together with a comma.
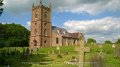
x: 67, y: 34
x: 61, y: 31
x: 72, y: 35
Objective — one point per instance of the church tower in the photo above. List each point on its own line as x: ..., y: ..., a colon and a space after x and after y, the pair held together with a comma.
x: 40, y: 35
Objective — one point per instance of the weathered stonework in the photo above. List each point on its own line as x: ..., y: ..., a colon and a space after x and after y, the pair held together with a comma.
x: 43, y: 34
x: 40, y: 27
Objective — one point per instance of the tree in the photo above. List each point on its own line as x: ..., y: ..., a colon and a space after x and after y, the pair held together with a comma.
x: 108, y: 42
x: 2, y: 35
x: 118, y: 41
x: 14, y: 35
x: 1, y: 9
x: 91, y: 41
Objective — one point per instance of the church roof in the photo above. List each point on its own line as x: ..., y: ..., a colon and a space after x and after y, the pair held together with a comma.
x: 72, y: 35
x: 59, y: 30
x: 65, y: 33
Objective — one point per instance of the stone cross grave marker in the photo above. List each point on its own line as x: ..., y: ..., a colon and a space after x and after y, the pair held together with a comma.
x: 82, y: 49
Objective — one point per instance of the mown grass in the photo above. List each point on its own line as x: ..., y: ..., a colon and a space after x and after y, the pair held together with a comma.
x: 53, y: 61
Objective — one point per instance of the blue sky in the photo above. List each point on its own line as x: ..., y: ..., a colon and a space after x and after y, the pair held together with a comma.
x: 98, y: 19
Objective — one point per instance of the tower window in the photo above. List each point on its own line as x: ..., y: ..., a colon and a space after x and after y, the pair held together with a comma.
x: 64, y: 32
x: 58, y: 31
x: 45, y: 14
x: 35, y: 42
x: 45, y: 24
x: 45, y: 41
x: 35, y: 23
x: 36, y: 14
x: 74, y: 41
x: 35, y: 31
x: 45, y: 32
x: 57, y: 41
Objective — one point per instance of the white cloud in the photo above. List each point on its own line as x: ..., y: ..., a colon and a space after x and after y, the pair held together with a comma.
x: 100, y: 29
x: 17, y: 6
x: 74, y: 6
x: 28, y: 25
x: 88, y: 6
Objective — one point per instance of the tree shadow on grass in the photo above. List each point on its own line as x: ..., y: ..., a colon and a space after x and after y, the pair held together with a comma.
x: 17, y: 61
x: 40, y: 59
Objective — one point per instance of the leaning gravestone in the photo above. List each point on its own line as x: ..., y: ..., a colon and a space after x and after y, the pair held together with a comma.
x: 97, y: 60
x: 82, y: 49
x: 117, y: 52
x: 93, y: 61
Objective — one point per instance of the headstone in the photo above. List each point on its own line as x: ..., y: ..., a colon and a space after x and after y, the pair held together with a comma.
x: 25, y: 54
x: 53, y: 52
x: 58, y: 49
x: 23, y: 49
x: 82, y: 49
x: 66, y: 53
x: 48, y: 52
x: 31, y: 52
x: 27, y: 51
x: 98, y: 60
x: 117, y: 52
x: 101, y: 61
x: 59, y: 56
x: 93, y: 61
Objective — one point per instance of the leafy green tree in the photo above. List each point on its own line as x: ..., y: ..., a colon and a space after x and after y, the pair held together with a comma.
x: 91, y: 41
x: 107, y: 42
x: 14, y: 35
x: 2, y: 35
x: 1, y: 9
x: 17, y: 35
x: 118, y: 41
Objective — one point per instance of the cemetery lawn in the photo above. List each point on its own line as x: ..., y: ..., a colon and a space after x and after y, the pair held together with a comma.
x: 47, y: 57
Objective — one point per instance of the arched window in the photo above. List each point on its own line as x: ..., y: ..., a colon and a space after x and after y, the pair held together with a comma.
x: 45, y: 32
x: 36, y: 14
x: 74, y: 42
x: 58, y: 31
x: 35, y: 42
x: 57, y: 41
x: 35, y: 23
x: 45, y: 14
x: 35, y: 31
x: 45, y: 41
x: 64, y: 32
x: 45, y: 24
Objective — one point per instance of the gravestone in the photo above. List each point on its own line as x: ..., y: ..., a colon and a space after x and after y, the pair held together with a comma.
x: 53, y: 52
x: 25, y: 54
x: 66, y: 53
x: 93, y: 61
x: 58, y: 49
x: 118, y: 52
x: 98, y: 60
x: 82, y: 49
x: 114, y: 50
x: 48, y: 52
x: 101, y: 60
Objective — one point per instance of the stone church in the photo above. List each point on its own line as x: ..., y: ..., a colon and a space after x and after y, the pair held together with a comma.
x: 43, y: 34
